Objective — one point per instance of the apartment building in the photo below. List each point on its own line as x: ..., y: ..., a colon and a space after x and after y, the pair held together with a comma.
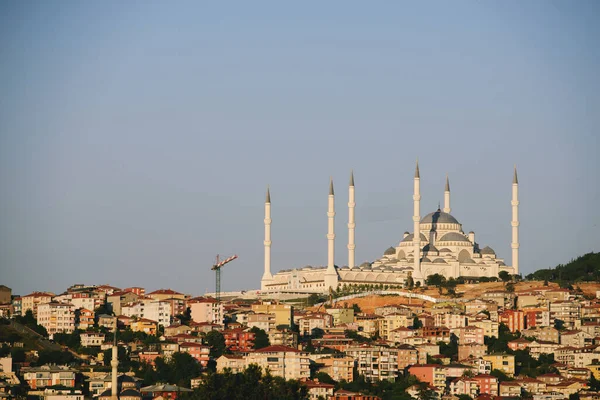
x: 390, y: 322
x: 567, y: 312
x: 206, y: 309
x: 546, y: 333
x: 154, y: 310
x: 471, y: 350
x: 198, y: 351
x: 375, y: 362
x: 56, y: 317
x: 32, y: 300
x: 503, y: 362
x: 283, y: 312
x: 470, y: 334
x: 309, y: 323
x: 433, y: 374
x: 266, y: 322
x: 46, y: 375
x: 239, y: 339
x: 338, y: 367
x: 91, y: 339
x: 513, y: 319
x: 84, y: 318
x: 282, y: 361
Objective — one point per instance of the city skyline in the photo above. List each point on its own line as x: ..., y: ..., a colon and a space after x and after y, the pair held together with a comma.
x: 137, y: 141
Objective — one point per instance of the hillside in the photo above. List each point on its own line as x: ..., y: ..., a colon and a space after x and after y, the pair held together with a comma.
x: 585, y: 268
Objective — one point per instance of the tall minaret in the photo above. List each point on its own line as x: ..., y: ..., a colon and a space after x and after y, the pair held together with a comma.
x: 515, y: 223
x: 267, y: 276
x: 331, y: 274
x: 417, y: 220
x: 447, y: 208
x: 114, y: 363
x: 351, y: 223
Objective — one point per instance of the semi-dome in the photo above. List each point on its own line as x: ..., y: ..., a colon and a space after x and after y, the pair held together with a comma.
x: 365, y: 265
x: 390, y: 251
x: 425, y: 260
x: 439, y: 217
x: 487, y: 250
x: 410, y: 237
x: 439, y: 261
x: 453, y: 237
x: 445, y: 250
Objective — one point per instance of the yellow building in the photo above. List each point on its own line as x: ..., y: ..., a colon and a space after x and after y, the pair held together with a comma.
x: 341, y: 315
x: 388, y: 323
x: 338, y: 367
x: 144, y: 325
x: 284, y: 313
x: 502, y: 362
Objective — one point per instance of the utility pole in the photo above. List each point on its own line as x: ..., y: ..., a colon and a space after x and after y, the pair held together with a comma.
x: 217, y: 268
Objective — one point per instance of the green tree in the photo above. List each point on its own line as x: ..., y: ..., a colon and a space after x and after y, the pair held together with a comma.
x: 186, y: 317
x: 502, y: 377
x: 436, y: 280
x: 216, y: 341
x: 505, y: 276
x: 510, y: 287
x: 261, y: 338
x: 356, y: 308
x: 417, y: 323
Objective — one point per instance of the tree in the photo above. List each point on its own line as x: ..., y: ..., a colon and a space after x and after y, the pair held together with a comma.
x: 216, y: 341
x: 186, y: 317
x: 436, y: 280
x: 510, y: 287
x: 417, y: 323
x: 502, y: 377
x: 410, y: 283
x: 356, y: 308
x: 505, y: 276
x: 324, y: 378
x: 261, y: 339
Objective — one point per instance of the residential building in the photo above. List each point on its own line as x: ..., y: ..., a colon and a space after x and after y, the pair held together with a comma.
x: 154, y: 310
x: 144, y: 325
x: 91, y: 339
x: 341, y: 315
x: 116, y: 299
x: 390, y: 322
x: 235, y: 363
x: 266, y: 322
x: 17, y: 305
x: 470, y: 334
x: 283, y: 312
x: 206, y: 309
x: 519, y: 344
x: 319, y: 390
x: 163, y: 294
x: 407, y: 355
x: 375, y: 362
x: 545, y: 333
x: 503, y: 362
x: 490, y: 328
x: 536, y: 317
x: 513, y: 319
x: 488, y: 384
x: 471, y: 350
x: 56, y: 317
x: 338, y: 367
x: 367, y: 324
x: 567, y: 312
x: 282, y: 361
x: 164, y: 392
x: 433, y: 374
x: 84, y: 319
x: 309, y: 323
x: 47, y: 375
x: 31, y: 301
x: 5, y: 294
x: 450, y: 320
x: 239, y: 339
x: 200, y: 352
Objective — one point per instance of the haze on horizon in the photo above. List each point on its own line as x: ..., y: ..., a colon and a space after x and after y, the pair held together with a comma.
x: 137, y: 139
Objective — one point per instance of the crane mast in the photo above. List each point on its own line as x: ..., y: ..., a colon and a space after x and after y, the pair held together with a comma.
x: 217, y: 268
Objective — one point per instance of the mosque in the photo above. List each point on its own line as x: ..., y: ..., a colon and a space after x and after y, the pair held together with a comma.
x: 437, y: 244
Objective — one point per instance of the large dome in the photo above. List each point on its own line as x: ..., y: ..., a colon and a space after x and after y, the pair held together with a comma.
x: 439, y: 217
x: 453, y: 237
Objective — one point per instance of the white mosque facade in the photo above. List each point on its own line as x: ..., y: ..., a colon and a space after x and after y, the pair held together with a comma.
x: 440, y: 247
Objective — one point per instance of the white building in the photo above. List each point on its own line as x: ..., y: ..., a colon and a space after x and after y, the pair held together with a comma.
x: 437, y: 244
x: 154, y: 310
x: 91, y: 339
x: 282, y: 361
x: 56, y: 317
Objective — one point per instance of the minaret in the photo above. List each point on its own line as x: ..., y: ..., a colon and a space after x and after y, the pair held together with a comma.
x: 351, y: 223
x: 447, y: 208
x: 267, y: 276
x: 515, y: 223
x: 114, y: 363
x: 417, y: 220
x: 331, y: 278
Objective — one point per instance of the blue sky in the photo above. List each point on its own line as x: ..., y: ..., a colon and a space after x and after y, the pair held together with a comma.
x: 137, y: 138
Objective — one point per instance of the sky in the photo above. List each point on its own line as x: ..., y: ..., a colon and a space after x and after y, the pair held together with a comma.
x: 137, y: 138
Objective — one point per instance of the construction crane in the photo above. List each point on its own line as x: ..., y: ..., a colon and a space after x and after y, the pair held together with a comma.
x: 217, y: 268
